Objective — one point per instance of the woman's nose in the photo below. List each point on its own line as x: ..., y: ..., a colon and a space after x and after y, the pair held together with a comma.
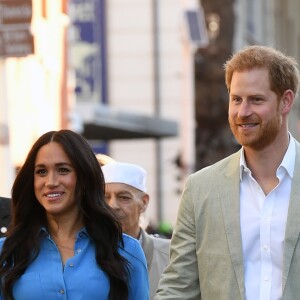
x: 51, y: 181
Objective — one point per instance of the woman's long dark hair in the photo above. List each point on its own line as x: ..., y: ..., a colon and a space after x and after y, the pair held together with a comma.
x: 28, y: 216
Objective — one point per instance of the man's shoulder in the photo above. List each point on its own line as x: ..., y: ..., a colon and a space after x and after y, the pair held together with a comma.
x: 5, y: 204
x: 159, y: 239
x: 159, y: 243
x: 5, y: 200
x: 222, y: 165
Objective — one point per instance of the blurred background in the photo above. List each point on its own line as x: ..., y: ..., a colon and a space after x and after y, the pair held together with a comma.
x: 141, y: 80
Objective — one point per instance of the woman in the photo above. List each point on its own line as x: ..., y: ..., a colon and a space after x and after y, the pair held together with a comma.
x: 64, y: 241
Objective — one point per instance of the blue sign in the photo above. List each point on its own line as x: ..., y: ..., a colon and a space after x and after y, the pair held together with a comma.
x: 85, y: 44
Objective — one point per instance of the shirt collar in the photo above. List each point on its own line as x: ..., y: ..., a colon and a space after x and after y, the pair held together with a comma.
x: 80, y: 233
x: 140, y: 237
x: 288, y: 162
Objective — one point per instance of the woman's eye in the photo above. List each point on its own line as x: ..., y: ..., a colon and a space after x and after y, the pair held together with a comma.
x: 40, y: 171
x: 64, y: 170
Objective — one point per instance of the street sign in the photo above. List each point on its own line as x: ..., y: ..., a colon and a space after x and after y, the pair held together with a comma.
x: 15, y: 11
x: 15, y: 37
x: 15, y: 43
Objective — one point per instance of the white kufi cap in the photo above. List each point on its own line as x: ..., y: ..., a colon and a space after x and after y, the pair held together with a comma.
x: 119, y: 172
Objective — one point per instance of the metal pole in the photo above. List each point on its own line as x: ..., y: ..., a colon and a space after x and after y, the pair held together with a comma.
x: 157, y: 100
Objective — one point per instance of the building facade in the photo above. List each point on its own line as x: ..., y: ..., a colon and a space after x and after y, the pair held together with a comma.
x: 142, y: 80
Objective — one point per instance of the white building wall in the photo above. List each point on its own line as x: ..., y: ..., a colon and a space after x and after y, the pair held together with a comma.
x: 254, y: 23
x: 287, y: 38
x: 31, y: 91
x: 132, y: 88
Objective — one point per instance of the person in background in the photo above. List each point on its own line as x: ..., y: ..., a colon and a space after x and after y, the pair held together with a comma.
x: 126, y: 193
x: 64, y: 241
x: 237, y: 230
x: 104, y: 159
x: 5, y: 205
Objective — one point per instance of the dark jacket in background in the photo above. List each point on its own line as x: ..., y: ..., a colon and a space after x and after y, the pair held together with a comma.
x: 5, y: 206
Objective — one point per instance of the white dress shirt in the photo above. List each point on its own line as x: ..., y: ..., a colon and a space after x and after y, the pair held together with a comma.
x: 263, y: 222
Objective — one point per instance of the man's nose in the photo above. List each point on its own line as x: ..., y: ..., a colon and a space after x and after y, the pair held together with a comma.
x: 112, y: 202
x: 244, y: 109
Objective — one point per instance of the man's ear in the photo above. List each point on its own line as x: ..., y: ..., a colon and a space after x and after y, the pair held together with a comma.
x: 287, y: 100
x: 144, y: 203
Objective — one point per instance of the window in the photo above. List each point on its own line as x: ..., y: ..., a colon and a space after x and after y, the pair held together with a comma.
x: 197, y: 27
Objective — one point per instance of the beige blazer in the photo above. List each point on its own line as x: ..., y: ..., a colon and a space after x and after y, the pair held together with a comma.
x: 157, y: 255
x: 206, y: 248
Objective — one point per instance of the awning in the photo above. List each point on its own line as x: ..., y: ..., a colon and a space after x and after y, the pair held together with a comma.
x: 108, y: 124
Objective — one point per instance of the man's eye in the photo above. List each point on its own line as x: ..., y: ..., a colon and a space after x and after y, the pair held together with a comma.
x: 256, y: 99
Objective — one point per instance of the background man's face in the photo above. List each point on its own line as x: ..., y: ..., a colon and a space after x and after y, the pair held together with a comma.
x: 128, y: 203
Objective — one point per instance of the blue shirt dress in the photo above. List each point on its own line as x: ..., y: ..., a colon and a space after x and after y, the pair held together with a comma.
x: 81, y: 278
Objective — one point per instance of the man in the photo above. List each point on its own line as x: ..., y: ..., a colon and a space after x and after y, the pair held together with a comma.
x: 125, y: 192
x: 5, y: 205
x: 237, y: 230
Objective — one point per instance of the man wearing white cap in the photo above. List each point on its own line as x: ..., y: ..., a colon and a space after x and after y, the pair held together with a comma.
x: 5, y: 205
x: 126, y: 193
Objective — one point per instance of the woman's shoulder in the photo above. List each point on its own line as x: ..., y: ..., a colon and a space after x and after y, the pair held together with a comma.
x: 131, y: 243
x: 132, y: 249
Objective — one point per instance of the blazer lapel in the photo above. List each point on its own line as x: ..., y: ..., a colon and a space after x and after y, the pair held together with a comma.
x: 293, y: 220
x: 230, y: 199
x: 147, y: 245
